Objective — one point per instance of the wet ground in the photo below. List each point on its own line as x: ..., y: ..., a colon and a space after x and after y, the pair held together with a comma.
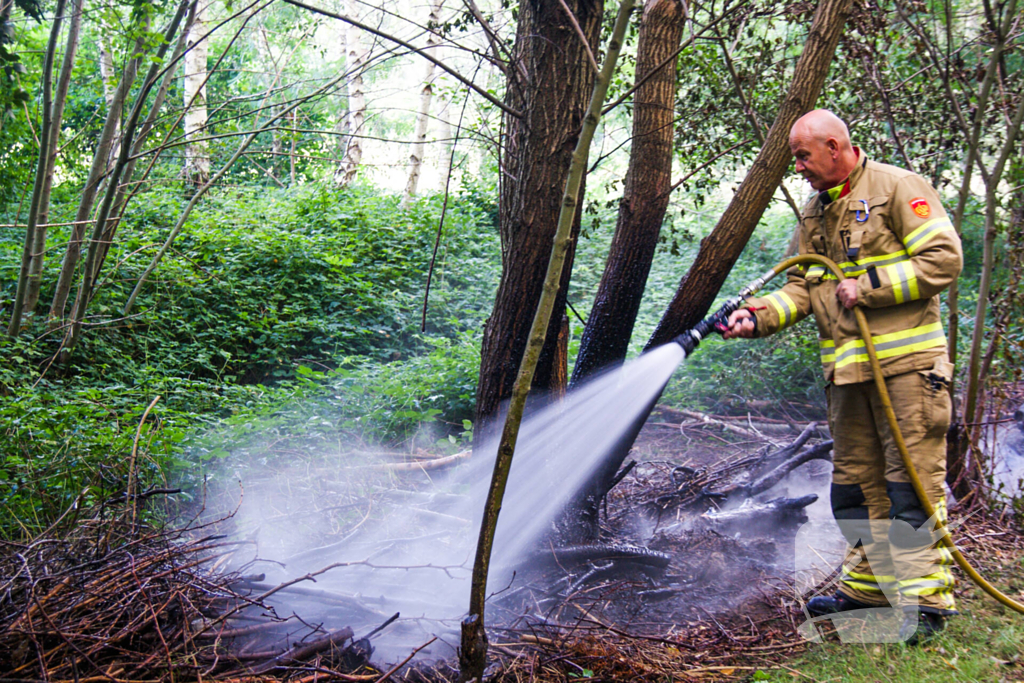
x: 713, y: 568
x: 698, y: 570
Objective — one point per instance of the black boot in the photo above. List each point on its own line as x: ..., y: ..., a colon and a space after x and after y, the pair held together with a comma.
x: 920, y: 626
x: 831, y: 604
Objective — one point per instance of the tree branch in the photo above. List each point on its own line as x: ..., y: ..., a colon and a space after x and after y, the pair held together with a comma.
x: 418, y: 50
x: 583, y: 37
x: 668, y: 60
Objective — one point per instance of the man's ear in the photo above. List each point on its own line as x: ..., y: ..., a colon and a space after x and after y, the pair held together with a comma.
x: 833, y: 147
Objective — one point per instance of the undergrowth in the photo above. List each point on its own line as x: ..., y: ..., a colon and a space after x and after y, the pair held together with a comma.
x: 292, y: 319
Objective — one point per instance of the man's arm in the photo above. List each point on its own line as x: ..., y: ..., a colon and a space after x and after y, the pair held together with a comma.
x: 766, y: 315
x: 934, y: 254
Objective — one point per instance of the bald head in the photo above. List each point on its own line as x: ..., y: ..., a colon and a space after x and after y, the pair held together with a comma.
x: 822, y: 125
x: 820, y: 143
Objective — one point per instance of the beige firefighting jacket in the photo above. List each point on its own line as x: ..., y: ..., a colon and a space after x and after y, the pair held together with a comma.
x: 892, y: 234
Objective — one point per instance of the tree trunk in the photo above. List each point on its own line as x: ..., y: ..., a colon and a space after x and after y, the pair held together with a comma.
x: 27, y: 255
x: 60, y: 98
x: 355, y: 64
x: 90, y: 271
x: 962, y: 476
x: 975, y: 378
x: 473, y: 653
x: 97, y: 172
x: 293, y: 148
x: 720, y: 250
x: 645, y: 197
x: 559, y: 380
x: 109, y: 77
x: 197, y: 153
x: 552, y: 82
x: 423, y: 117
x: 122, y: 198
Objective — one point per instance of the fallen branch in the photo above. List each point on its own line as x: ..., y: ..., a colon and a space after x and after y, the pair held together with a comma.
x: 298, y: 654
x: 396, y: 667
x: 435, y: 464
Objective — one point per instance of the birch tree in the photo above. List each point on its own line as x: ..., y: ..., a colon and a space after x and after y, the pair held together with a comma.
x: 197, y: 151
x: 423, y: 116
x: 356, y: 117
x: 108, y: 76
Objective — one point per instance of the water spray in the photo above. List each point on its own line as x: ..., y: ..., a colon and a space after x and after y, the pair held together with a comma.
x: 718, y: 322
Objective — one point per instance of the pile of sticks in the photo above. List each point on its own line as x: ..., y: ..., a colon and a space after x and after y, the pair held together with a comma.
x: 741, y: 477
x: 108, y: 599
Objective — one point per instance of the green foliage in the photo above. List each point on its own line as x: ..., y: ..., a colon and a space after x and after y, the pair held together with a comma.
x: 423, y: 401
x: 299, y: 317
x: 22, y: 44
x: 312, y: 274
x: 784, y: 366
x: 62, y: 440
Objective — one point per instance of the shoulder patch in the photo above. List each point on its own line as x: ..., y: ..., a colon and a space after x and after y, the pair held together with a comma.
x: 920, y: 207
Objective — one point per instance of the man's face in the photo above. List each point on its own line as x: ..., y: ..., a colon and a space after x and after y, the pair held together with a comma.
x: 816, y: 161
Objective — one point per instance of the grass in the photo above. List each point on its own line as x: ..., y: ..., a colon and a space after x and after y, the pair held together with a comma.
x: 980, y: 645
x: 984, y: 643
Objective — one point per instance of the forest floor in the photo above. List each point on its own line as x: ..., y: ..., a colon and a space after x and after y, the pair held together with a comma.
x: 102, y: 597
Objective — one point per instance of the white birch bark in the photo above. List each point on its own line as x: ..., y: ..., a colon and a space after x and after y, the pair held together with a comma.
x: 423, y: 117
x: 355, y: 64
x: 197, y: 152
x: 341, y: 127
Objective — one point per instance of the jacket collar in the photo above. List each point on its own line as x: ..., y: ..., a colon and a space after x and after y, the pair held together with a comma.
x: 846, y: 187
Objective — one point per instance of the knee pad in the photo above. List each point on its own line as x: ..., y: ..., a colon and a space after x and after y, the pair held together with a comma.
x: 851, y: 512
x: 908, y: 528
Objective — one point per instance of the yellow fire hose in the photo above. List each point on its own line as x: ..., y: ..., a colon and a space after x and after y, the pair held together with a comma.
x: 876, y: 371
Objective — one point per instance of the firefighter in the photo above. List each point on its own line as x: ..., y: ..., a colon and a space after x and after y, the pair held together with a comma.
x: 898, y: 249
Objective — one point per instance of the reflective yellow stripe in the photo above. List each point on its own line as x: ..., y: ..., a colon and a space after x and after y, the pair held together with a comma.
x: 785, y: 307
x: 866, y: 587
x: 894, y: 344
x: 851, y: 269
x: 869, y: 577
x: 915, y: 240
x: 938, y: 582
x: 815, y: 271
x: 828, y: 350
x: 903, y: 279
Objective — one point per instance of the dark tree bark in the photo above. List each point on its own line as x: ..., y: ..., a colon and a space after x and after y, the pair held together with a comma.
x: 645, y: 198
x: 550, y: 84
x: 720, y: 250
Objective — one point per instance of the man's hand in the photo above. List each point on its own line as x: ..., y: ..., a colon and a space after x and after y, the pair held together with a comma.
x: 741, y: 324
x: 846, y: 292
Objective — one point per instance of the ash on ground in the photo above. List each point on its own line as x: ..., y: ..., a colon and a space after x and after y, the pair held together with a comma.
x: 345, y: 546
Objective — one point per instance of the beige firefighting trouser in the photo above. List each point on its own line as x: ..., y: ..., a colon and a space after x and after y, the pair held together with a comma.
x: 893, y: 556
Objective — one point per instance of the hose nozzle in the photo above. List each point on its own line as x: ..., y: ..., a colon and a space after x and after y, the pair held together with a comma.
x: 719, y: 320
x: 716, y: 322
